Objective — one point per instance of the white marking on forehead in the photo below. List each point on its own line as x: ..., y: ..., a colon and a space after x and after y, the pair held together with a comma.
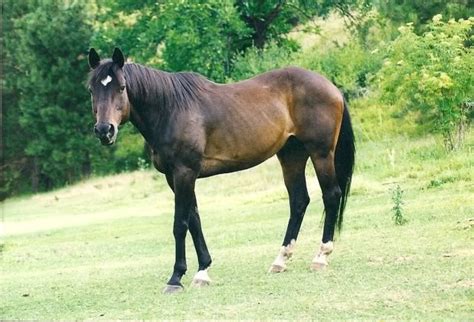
x: 106, y: 80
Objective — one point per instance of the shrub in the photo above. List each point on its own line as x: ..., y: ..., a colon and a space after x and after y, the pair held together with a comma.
x: 350, y: 67
x: 255, y: 61
x: 433, y: 74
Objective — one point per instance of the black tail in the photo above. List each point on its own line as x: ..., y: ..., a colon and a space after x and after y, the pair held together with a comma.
x: 344, y: 161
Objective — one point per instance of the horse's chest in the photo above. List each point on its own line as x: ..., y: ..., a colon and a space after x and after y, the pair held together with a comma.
x: 158, y: 161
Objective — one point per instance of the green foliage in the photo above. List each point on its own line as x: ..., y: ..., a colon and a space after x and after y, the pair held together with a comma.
x: 46, y: 123
x: 202, y: 36
x: 255, y: 61
x: 129, y: 30
x: 350, y: 67
x: 435, y: 183
x: 374, y: 120
x: 271, y: 20
x: 397, y: 209
x: 45, y: 71
x: 52, y: 101
x: 14, y: 161
x: 420, y: 12
x: 432, y: 74
x: 129, y: 153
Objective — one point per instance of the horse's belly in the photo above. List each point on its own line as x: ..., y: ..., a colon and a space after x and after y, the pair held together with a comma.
x: 246, y: 136
x: 212, y: 167
x: 241, y: 155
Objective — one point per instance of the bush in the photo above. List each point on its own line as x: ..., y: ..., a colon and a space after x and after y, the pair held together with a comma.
x: 433, y: 74
x: 374, y: 120
x: 255, y: 61
x: 350, y: 67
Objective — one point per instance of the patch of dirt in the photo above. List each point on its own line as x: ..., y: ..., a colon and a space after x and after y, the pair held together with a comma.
x: 465, y: 283
x: 462, y: 252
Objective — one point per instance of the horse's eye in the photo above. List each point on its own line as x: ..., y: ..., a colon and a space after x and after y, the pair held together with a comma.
x: 122, y: 88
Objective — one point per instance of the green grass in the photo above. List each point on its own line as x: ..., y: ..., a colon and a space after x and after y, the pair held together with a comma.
x: 103, y: 249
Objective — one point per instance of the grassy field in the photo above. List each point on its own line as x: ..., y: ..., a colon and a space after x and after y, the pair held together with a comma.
x: 103, y: 249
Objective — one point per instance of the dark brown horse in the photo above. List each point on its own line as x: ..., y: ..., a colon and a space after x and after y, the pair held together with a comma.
x: 197, y: 128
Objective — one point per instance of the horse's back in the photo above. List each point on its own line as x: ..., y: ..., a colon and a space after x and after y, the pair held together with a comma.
x: 300, y: 88
x: 249, y: 121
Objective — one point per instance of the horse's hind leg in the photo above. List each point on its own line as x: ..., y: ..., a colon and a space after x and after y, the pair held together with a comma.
x: 325, y: 170
x: 293, y: 157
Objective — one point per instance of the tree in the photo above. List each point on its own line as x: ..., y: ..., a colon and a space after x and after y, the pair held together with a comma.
x: 271, y: 20
x: 420, y: 12
x: 50, y: 71
x: 14, y: 161
x: 433, y: 75
x: 265, y: 19
x: 204, y: 35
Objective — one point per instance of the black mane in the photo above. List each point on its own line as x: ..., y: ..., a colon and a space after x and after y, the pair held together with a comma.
x: 154, y: 88
x: 169, y: 90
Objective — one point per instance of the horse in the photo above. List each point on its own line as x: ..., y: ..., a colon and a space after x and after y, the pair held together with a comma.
x: 197, y: 128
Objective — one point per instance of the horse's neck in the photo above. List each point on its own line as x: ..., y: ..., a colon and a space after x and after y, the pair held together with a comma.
x: 156, y: 95
x: 145, y: 106
x: 137, y: 120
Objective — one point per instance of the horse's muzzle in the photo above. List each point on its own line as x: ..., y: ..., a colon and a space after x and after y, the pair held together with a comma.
x: 105, y: 132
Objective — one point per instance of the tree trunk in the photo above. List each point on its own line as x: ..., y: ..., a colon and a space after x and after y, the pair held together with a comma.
x: 35, y: 175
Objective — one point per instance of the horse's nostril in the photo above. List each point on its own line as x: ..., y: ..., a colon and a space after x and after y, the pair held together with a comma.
x: 111, y: 131
x: 102, y: 130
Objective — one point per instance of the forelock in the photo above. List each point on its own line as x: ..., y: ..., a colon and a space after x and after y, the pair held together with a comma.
x: 101, y: 72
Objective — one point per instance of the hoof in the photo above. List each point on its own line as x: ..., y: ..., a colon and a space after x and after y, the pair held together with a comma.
x: 200, y: 283
x: 315, y: 266
x: 275, y: 268
x: 201, y: 279
x: 172, y: 289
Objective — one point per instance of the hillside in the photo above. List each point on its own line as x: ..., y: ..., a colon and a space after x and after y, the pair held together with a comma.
x: 104, y: 248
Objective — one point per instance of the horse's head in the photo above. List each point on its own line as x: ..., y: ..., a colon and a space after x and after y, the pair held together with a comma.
x: 110, y: 103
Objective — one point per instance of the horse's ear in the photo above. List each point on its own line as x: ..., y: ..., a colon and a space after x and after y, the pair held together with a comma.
x: 118, y: 58
x: 94, y: 59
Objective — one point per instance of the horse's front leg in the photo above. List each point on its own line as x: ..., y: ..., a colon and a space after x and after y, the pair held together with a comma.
x: 184, y: 180
x: 204, y: 258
